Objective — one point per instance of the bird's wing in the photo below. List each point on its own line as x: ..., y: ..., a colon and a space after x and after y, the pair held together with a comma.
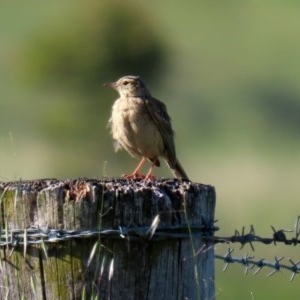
x: 162, y: 120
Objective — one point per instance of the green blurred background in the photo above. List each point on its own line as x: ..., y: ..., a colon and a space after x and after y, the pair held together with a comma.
x: 228, y: 72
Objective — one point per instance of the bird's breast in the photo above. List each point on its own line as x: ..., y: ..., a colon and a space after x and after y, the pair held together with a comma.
x: 128, y: 110
x: 133, y: 127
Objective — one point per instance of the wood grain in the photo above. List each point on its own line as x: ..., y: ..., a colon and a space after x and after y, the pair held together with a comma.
x: 120, y: 268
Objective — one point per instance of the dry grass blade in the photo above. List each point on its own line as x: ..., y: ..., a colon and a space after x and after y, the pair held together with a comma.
x: 3, y: 194
x: 44, y: 249
x: 32, y: 285
x: 111, y: 270
x: 6, y: 234
x: 83, y: 293
x: 102, y: 266
x: 154, y: 225
x: 25, y: 242
x: 92, y: 254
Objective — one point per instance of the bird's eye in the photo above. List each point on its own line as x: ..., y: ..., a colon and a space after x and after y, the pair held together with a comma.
x: 125, y: 82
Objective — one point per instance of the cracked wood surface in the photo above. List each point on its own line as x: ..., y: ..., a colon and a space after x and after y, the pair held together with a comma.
x: 122, y: 268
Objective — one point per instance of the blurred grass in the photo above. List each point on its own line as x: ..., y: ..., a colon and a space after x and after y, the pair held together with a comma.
x: 228, y: 72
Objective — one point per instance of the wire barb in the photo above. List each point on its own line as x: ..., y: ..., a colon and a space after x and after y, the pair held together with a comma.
x: 35, y: 236
x: 278, y: 236
x: 242, y: 238
x: 249, y: 263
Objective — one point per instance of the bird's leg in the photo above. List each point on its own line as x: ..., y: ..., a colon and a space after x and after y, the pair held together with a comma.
x: 149, y: 175
x: 135, y: 173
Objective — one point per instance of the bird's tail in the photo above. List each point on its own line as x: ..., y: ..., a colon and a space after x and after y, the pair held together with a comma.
x: 178, y: 170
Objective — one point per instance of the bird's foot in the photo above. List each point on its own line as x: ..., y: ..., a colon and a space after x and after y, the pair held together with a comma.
x: 149, y: 177
x: 134, y: 176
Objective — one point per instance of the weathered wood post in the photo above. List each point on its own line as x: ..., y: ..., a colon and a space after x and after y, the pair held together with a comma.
x: 106, y: 239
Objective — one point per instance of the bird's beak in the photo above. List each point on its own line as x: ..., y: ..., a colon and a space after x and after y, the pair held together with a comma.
x: 112, y: 85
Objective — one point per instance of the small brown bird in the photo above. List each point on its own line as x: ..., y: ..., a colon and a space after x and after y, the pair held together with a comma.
x: 141, y: 125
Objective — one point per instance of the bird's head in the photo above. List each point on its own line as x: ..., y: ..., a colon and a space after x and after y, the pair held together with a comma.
x: 129, y: 86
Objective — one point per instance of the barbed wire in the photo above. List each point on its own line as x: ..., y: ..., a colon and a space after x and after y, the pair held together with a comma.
x: 243, y: 238
x: 34, y: 235
x: 42, y: 235
x: 249, y: 263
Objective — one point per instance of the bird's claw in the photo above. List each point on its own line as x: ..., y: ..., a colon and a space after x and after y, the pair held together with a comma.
x: 134, y: 176
x: 148, y: 177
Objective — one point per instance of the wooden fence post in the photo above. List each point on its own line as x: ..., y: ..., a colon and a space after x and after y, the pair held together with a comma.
x: 106, y: 239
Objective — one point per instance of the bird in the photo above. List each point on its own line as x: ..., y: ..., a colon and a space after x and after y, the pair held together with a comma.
x: 141, y: 125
